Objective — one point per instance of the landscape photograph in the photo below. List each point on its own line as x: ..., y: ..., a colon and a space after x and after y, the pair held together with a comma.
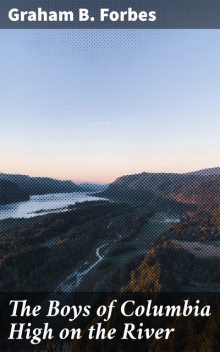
x: 144, y: 232
x: 110, y: 166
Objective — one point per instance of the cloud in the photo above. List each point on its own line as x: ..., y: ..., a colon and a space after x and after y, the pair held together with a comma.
x: 101, y: 123
x: 106, y: 123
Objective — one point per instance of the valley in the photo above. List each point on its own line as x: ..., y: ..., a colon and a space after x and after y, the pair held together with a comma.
x: 158, y: 232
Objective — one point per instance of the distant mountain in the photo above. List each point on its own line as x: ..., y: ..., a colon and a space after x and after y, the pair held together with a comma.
x: 190, y: 188
x: 93, y: 187
x: 215, y: 171
x: 41, y: 185
x: 11, y: 192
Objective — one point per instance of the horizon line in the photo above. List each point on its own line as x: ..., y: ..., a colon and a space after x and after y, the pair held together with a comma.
x: 106, y: 183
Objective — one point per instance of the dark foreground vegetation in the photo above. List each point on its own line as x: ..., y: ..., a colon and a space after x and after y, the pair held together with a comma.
x: 38, y: 255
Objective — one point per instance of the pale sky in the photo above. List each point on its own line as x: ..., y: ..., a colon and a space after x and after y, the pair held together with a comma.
x: 95, y: 105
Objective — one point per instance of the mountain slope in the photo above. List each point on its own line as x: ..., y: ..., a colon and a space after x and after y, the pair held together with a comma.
x: 11, y: 192
x: 215, y: 171
x: 41, y: 185
x: 200, y: 188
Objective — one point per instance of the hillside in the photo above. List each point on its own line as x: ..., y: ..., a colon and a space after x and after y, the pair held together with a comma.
x: 41, y: 185
x: 11, y: 192
x: 199, y: 188
x: 215, y: 171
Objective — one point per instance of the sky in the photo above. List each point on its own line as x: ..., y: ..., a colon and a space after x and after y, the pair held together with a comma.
x: 95, y: 105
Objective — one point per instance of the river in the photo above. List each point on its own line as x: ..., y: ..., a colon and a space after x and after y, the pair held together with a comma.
x: 141, y: 243
x: 43, y: 204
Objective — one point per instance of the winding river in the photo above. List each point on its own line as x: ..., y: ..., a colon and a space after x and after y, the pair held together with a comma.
x: 142, y: 242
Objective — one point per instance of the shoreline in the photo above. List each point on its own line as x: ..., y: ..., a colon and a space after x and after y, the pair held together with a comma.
x: 45, y: 203
x: 10, y: 221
